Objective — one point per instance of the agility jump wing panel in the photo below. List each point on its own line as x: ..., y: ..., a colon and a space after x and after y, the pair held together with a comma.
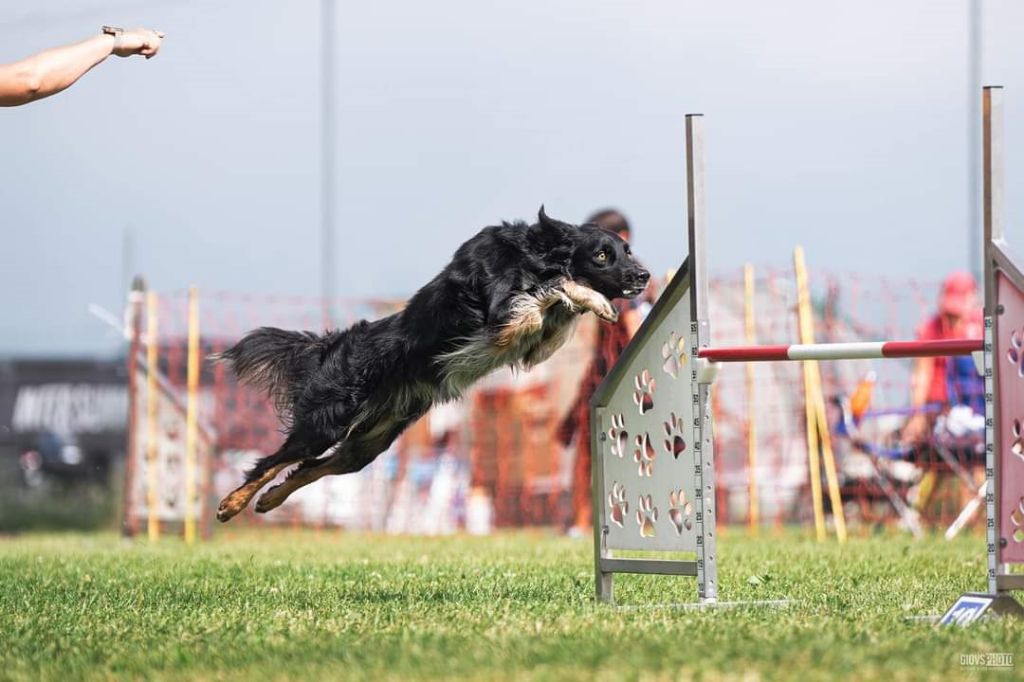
x: 1009, y: 363
x: 644, y: 427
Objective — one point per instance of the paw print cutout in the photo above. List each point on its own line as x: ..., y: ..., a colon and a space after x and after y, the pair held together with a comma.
x: 673, y: 352
x: 1018, y: 439
x: 618, y: 504
x: 643, y: 396
x: 1015, y: 354
x: 618, y: 436
x: 674, y: 442
x: 1017, y: 519
x: 646, y: 515
x: 643, y: 454
x: 680, y: 511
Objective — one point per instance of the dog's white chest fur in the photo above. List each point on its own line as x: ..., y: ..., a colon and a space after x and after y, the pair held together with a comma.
x: 520, y: 345
x: 538, y: 324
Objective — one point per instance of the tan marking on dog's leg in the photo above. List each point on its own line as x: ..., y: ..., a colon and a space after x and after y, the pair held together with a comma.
x: 276, y: 496
x: 527, y: 318
x: 528, y: 312
x: 588, y: 299
x: 549, y: 345
x: 237, y: 499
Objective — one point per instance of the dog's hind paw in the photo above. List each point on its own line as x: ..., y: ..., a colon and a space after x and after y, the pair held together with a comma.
x: 227, y: 511
x: 268, y: 500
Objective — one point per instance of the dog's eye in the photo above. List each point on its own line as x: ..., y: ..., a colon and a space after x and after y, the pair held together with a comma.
x: 601, y: 256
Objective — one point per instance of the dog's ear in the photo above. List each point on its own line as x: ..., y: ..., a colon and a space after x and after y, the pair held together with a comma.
x: 552, y: 237
x: 550, y: 223
x: 548, y: 230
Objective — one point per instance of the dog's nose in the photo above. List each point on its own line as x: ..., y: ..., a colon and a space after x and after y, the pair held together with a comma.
x: 643, y: 276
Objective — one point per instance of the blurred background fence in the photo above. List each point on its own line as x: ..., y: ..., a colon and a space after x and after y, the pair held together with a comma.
x: 493, y: 460
x: 490, y: 460
x: 490, y: 456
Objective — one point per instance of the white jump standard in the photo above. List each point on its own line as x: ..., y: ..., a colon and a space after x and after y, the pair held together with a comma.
x: 653, y: 472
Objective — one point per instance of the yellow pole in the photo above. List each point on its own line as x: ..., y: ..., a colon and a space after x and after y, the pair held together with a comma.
x: 815, y: 397
x: 153, y: 521
x: 748, y: 308
x: 830, y: 462
x: 807, y: 336
x: 191, y: 414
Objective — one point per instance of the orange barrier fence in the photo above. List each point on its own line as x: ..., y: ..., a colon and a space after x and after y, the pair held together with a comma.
x: 492, y: 460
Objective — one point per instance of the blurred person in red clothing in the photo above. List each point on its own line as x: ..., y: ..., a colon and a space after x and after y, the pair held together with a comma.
x: 611, y: 340
x: 933, y: 380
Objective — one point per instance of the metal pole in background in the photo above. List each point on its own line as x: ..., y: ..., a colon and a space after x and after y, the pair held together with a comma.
x: 152, y: 479
x: 974, y: 240
x: 136, y: 297
x: 127, y: 259
x: 192, y: 506
x: 753, y: 517
x: 326, y: 157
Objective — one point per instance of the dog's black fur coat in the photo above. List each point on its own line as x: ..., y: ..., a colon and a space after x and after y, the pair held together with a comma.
x: 361, y: 387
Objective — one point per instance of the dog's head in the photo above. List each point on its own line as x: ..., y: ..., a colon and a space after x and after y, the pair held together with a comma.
x: 596, y: 257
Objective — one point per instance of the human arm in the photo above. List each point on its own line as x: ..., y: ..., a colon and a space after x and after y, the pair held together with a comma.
x: 632, y: 319
x: 916, y: 428
x: 56, y: 69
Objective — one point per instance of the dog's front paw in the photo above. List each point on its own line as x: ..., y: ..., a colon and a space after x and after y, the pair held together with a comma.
x: 606, y: 311
x: 588, y: 299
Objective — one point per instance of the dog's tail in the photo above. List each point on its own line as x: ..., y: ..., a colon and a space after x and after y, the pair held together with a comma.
x: 277, y: 361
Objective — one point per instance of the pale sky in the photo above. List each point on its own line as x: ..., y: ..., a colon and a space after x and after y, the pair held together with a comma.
x: 841, y: 127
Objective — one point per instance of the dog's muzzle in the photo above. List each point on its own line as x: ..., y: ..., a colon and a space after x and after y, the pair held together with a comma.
x: 636, y: 282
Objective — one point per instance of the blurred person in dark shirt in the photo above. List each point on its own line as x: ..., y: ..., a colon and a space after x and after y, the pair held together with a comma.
x: 611, y: 340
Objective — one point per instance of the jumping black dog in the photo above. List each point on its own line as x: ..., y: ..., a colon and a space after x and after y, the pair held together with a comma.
x: 510, y: 297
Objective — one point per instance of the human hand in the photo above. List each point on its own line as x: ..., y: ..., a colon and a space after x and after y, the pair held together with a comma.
x: 915, y: 430
x: 141, y: 41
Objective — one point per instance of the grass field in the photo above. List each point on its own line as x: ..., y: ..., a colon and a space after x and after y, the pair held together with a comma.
x: 278, y: 605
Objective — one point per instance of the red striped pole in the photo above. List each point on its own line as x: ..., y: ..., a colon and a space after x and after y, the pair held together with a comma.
x: 843, y: 351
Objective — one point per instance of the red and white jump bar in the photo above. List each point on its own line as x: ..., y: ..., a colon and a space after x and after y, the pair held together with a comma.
x: 843, y: 351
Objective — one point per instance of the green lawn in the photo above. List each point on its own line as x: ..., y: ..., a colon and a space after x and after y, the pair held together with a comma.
x: 277, y: 605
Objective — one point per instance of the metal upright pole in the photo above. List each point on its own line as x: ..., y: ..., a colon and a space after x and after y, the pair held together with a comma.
x: 974, y: 218
x: 326, y: 157
x: 992, y: 170
x: 700, y: 337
